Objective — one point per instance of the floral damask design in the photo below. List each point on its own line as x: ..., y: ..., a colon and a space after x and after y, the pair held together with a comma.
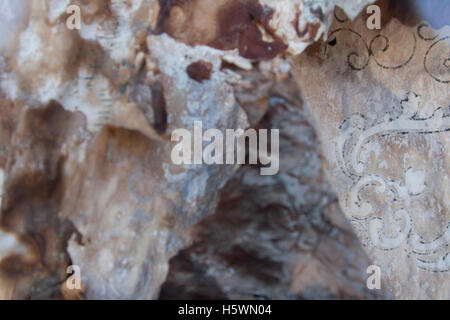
x: 390, y: 226
x: 378, y: 207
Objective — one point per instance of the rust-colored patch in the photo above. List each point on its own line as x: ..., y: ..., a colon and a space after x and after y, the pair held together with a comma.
x: 238, y: 28
x: 200, y: 70
x: 228, y: 24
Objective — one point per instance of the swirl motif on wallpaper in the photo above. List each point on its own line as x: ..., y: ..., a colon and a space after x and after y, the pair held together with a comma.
x: 389, y: 225
x: 436, y: 60
x: 379, y: 208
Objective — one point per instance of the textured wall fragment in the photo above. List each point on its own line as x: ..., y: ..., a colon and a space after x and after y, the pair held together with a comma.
x: 86, y: 176
x: 380, y: 103
x: 274, y: 237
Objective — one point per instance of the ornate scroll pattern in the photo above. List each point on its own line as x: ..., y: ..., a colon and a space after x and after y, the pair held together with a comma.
x: 355, y: 132
x: 388, y: 224
x: 369, y: 50
x: 436, y: 60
